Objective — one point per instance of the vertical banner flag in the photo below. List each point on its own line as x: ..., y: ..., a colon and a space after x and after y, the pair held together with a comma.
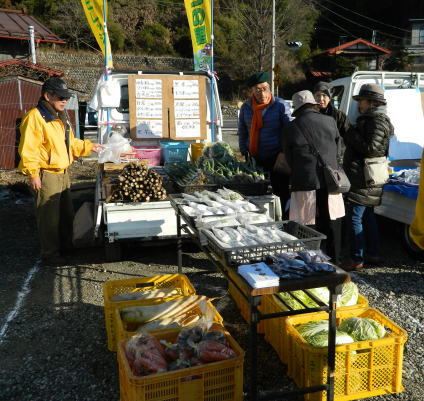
x: 199, y: 19
x: 94, y: 12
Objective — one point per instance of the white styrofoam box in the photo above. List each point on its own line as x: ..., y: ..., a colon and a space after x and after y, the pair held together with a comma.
x: 259, y: 275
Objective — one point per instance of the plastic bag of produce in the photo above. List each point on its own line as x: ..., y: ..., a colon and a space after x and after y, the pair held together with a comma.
x: 145, y: 355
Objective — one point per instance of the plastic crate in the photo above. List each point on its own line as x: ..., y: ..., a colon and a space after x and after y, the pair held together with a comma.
x: 243, y: 306
x: 215, y: 381
x: 125, y: 330
x: 275, y: 329
x: 111, y: 288
x: 174, y: 152
x: 307, y: 239
x: 150, y: 153
x: 363, y: 369
x: 190, y: 188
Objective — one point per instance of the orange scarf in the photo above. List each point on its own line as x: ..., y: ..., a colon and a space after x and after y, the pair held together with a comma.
x: 257, y: 124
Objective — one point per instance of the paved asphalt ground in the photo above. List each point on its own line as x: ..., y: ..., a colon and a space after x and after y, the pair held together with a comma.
x: 52, y: 336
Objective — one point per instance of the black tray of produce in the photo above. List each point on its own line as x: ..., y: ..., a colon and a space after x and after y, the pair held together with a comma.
x: 308, y: 238
x: 249, y: 189
x: 190, y: 188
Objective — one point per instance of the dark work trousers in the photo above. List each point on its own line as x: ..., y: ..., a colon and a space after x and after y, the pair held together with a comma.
x: 54, y: 213
x: 332, y: 229
x: 279, y: 182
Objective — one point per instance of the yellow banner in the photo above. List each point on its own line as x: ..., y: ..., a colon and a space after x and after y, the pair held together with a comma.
x: 199, y: 19
x: 94, y: 12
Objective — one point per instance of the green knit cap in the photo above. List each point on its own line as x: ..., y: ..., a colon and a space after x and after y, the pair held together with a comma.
x: 257, y: 78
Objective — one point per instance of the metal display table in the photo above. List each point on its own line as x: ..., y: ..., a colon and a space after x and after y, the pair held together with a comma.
x: 253, y: 297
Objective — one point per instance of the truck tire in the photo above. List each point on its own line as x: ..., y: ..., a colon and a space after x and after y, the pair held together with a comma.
x: 413, y: 250
x: 113, y: 251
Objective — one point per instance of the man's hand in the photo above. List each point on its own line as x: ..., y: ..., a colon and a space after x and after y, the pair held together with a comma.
x: 35, y: 183
x: 97, y: 147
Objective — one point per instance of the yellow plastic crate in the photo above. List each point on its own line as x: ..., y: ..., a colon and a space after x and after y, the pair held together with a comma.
x: 111, y: 288
x: 126, y: 330
x: 215, y: 381
x: 363, y: 369
x: 275, y: 329
x: 243, y: 306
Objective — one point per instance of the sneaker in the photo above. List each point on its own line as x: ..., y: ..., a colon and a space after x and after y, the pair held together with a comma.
x: 351, y: 265
x: 53, y: 260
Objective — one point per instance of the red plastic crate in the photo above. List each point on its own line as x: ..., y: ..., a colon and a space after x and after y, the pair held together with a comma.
x: 150, y: 153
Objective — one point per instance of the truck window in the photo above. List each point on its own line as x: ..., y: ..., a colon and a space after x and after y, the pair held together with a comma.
x: 124, y: 105
x: 337, y: 96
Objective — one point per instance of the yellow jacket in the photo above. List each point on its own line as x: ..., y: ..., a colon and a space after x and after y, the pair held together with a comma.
x: 42, y: 144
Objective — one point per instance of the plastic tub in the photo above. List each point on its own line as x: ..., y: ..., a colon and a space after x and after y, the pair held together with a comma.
x: 174, y: 152
x: 150, y: 153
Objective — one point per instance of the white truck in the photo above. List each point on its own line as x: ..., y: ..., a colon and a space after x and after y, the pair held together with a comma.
x: 404, y: 92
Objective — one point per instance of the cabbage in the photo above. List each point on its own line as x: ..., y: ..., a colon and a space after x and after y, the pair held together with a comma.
x: 379, y: 328
x: 290, y: 301
x: 303, y: 297
x: 310, y: 329
x: 322, y: 293
x: 349, y: 295
x: 320, y: 339
x: 361, y: 329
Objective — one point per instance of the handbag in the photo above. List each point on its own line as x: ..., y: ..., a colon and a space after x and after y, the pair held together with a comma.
x: 336, y: 179
x: 281, y: 166
x: 376, y: 171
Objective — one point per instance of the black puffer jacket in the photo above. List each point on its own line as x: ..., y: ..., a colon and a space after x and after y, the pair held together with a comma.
x: 368, y: 138
x: 343, y: 123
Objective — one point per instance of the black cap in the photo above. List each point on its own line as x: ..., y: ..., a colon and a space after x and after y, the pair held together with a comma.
x: 56, y: 86
x: 323, y: 87
x: 257, y: 78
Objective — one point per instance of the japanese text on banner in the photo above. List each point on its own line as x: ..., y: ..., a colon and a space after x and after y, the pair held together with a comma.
x: 199, y: 19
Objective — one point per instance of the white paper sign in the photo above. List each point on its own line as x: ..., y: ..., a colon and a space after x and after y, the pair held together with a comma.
x: 408, y: 122
x: 147, y: 108
x: 149, y: 129
x: 186, y: 89
x: 186, y: 109
x: 148, y: 88
x: 187, y: 128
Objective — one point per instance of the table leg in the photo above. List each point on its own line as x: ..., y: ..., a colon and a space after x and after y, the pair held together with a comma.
x: 253, y: 351
x: 332, y: 341
x: 179, y: 245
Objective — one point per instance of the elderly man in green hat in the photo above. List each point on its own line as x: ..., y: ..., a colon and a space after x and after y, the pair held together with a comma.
x: 261, y: 119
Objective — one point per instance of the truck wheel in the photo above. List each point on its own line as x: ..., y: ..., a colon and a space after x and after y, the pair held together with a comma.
x: 413, y: 250
x: 113, y: 251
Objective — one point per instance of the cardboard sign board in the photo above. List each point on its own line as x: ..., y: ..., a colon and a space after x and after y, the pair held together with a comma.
x: 167, y: 106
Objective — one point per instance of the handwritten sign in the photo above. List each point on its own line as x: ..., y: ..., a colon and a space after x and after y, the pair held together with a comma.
x: 187, y: 128
x: 186, y: 109
x: 149, y: 129
x: 148, y: 88
x: 146, y: 108
x: 186, y: 89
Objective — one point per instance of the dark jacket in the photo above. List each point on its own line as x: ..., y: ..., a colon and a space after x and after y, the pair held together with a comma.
x: 343, y: 123
x: 276, y: 115
x: 307, y: 172
x: 368, y: 138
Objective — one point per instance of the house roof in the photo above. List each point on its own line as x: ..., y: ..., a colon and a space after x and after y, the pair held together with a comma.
x: 14, y: 25
x: 357, y: 46
x: 27, y: 69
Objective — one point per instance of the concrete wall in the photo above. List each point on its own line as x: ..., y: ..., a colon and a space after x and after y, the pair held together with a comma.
x: 83, y: 70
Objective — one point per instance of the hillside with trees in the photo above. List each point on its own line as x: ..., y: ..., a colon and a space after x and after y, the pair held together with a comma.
x: 242, y: 29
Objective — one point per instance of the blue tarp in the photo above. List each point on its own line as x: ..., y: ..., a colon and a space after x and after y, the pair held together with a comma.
x: 409, y: 191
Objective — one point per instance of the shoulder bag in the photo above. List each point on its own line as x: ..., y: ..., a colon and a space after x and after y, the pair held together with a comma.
x: 281, y: 166
x: 335, y: 178
x: 376, y: 171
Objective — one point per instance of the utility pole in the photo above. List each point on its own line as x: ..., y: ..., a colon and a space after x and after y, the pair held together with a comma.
x: 273, y: 47
x: 32, y: 44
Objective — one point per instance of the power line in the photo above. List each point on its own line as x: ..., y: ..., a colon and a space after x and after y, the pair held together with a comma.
x: 357, y: 23
x: 369, y: 18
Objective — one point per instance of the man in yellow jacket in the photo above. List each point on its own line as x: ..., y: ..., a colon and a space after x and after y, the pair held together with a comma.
x: 47, y: 148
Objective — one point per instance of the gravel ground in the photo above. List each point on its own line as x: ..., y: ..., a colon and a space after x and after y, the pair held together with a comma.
x: 52, y: 335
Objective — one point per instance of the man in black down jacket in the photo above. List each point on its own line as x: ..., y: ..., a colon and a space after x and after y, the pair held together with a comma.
x: 309, y: 191
x: 368, y: 138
